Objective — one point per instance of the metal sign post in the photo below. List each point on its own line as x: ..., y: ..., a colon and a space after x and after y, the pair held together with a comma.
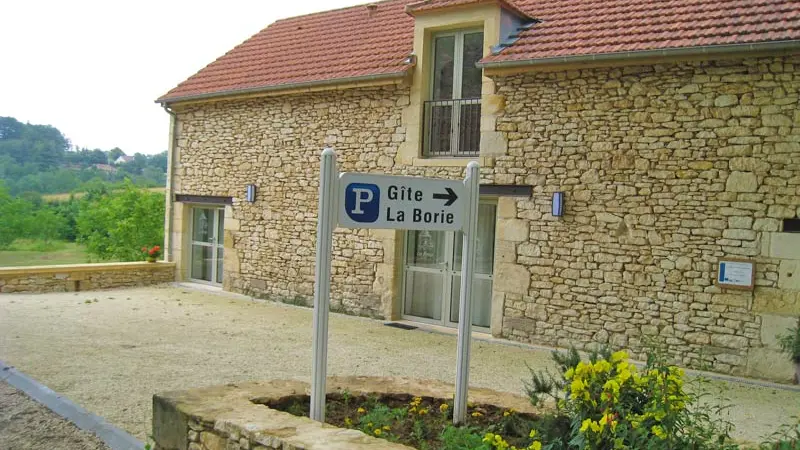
x: 326, y: 222
x: 471, y: 191
x: 354, y: 200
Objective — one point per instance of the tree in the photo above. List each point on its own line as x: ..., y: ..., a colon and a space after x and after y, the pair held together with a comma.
x: 118, y: 225
x: 114, y: 153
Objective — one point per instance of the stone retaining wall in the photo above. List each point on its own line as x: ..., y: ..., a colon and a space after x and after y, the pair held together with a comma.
x: 84, y: 277
x: 234, y: 416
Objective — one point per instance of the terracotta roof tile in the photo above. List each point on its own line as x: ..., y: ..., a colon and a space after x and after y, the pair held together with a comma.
x: 344, y: 43
x: 433, y: 5
x: 592, y: 27
x: 361, y: 41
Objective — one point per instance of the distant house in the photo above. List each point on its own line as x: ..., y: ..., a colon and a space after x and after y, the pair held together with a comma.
x: 670, y: 128
x: 123, y: 159
x: 106, y: 168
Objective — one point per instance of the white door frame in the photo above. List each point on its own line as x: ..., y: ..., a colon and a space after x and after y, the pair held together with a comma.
x: 215, y: 245
x: 448, y: 274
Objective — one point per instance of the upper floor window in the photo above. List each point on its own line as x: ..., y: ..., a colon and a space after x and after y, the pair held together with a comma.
x: 453, y: 113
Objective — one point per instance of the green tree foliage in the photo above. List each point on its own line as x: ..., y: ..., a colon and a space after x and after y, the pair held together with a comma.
x: 28, y: 218
x: 118, y: 225
x: 38, y: 158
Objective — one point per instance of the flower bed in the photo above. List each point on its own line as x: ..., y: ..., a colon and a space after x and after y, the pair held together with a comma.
x: 421, y: 422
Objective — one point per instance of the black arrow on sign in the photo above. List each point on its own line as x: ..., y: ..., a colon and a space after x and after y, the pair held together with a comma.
x: 451, y: 196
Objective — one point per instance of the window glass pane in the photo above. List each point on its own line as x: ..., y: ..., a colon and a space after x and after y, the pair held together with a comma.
x: 481, y: 301
x: 484, y: 248
x: 201, y: 225
x: 426, y: 249
x: 471, y: 75
x: 424, y: 292
x: 439, y: 132
x: 201, y: 262
x: 219, y: 264
x: 444, y: 52
x: 220, y: 227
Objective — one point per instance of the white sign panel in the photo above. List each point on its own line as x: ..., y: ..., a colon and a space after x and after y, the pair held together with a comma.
x: 408, y: 203
x: 734, y: 273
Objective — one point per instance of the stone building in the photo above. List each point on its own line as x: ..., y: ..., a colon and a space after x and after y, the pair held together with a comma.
x: 672, y: 130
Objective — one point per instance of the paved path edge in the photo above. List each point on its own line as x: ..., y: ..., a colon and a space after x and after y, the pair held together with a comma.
x: 114, y: 437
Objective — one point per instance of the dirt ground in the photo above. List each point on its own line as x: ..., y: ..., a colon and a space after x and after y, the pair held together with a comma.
x: 110, y: 351
x: 27, y: 425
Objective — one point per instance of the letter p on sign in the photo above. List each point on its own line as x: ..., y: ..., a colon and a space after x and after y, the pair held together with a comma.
x: 362, y: 202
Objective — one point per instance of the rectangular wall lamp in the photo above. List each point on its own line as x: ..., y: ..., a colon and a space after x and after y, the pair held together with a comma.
x: 250, y: 194
x: 558, y: 204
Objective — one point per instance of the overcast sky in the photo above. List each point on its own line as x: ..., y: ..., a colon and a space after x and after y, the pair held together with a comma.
x: 92, y: 69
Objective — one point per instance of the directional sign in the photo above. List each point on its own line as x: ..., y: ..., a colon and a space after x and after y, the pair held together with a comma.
x: 408, y: 203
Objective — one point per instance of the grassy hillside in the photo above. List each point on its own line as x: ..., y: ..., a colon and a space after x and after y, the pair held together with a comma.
x: 35, y: 253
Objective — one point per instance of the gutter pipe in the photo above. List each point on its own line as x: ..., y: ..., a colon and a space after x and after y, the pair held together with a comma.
x: 168, y: 210
x: 287, y: 86
x: 792, y: 45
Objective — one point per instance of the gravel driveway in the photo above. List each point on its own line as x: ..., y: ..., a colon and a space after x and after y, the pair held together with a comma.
x: 110, y: 351
x: 27, y: 425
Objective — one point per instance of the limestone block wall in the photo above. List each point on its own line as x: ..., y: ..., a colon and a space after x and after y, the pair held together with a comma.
x: 83, y: 277
x: 666, y: 168
x: 275, y: 143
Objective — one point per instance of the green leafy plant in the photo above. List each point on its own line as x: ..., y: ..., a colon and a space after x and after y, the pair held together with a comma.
x: 790, y: 343
x: 786, y: 437
x: 609, y: 403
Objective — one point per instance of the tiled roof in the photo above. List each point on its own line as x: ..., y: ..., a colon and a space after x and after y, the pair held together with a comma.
x: 361, y: 42
x: 423, y: 6
x: 592, y: 27
x: 345, y: 43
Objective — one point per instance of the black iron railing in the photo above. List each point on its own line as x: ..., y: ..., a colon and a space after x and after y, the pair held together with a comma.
x: 452, y: 128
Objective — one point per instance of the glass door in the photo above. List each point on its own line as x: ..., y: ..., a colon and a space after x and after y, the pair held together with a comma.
x: 207, y: 245
x: 433, y: 274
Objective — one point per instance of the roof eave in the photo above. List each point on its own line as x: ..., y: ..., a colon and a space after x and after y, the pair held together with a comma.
x: 411, y: 11
x: 166, y: 100
x: 789, y: 45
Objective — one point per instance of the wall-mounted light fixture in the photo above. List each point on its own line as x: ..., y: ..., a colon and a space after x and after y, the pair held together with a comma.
x: 558, y: 204
x: 250, y: 193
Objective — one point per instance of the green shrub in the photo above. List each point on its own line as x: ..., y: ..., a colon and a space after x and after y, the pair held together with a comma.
x: 117, y: 225
x: 610, y: 404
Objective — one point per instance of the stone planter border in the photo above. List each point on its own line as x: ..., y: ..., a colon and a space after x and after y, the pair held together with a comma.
x: 234, y: 415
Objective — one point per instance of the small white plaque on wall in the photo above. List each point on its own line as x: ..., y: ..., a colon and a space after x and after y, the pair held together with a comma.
x: 736, y: 274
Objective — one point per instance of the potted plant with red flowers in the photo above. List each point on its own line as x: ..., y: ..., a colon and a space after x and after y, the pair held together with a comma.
x: 152, y: 253
x: 790, y: 345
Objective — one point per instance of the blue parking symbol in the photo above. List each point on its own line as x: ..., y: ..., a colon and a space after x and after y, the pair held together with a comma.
x: 362, y: 202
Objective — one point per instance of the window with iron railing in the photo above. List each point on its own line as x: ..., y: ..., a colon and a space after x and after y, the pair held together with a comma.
x: 452, y: 118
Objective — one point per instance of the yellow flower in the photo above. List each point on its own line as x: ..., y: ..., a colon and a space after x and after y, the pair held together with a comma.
x: 658, y: 432
x: 619, y: 356
x: 377, y: 432
x: 569, y: 373
x: 602, y: 366
x: 532, y: 434
x: 508, y: 412
x: 423, y: 411
x: 444, y: 407
x: 348, y: 422
x: 387, y: 427
x: 477, y: 414
x: 361, y: 410
x: 536, y: 445
x: 589, y: 423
